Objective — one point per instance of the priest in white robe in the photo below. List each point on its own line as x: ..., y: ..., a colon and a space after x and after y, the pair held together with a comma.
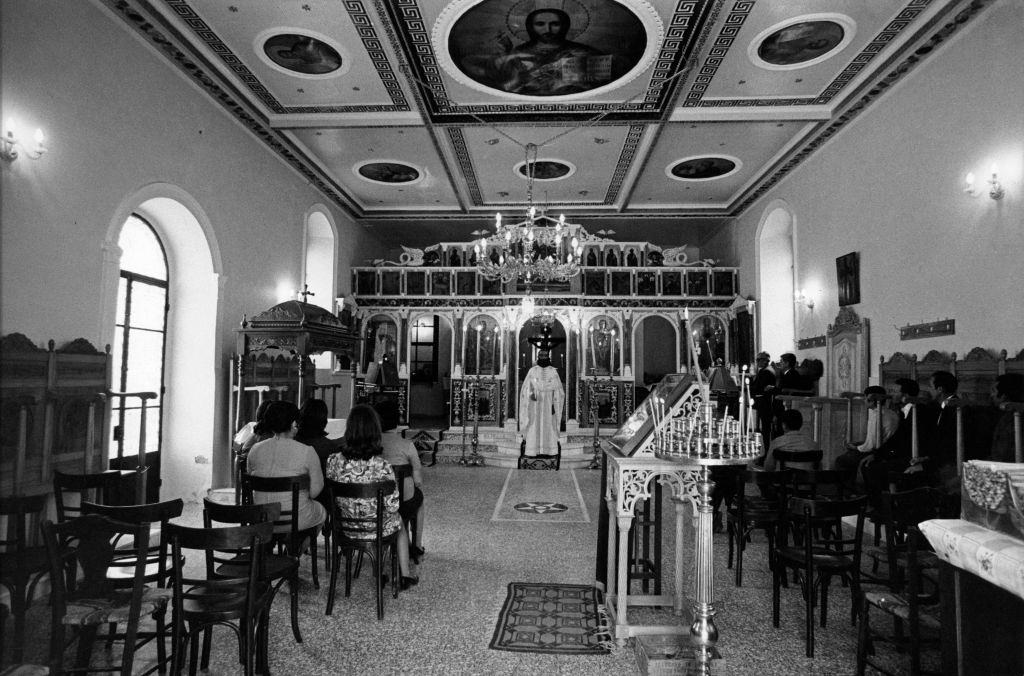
x: 540, y: 407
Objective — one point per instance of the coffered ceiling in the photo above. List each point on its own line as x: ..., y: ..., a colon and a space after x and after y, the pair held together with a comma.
x: 659, y: 119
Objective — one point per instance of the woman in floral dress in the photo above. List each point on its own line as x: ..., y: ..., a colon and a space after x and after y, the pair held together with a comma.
x: 361, y: 460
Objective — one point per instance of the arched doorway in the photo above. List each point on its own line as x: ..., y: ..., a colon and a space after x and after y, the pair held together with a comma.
x: 430, y: 358
x: 775, y: 262
x: 319, y: 274
x: 652, y: 337
x: 191, y: 375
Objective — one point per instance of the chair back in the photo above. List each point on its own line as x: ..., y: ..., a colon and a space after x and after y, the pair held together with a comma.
x: 820, y: 483
x: 22, y: 514
x: 156, y: 564
x: 88, y: 545
x: 809, y: 514
x: 250, y: 542
x: 239, y: 515
x: 71, y: 490
x: 901, y: 513
x: 403, y: 476
x: 282, y: 486
x: 773, y: 487
x: 351, y: 527
x: 798, y: 459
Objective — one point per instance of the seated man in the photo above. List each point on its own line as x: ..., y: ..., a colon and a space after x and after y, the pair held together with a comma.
x: 877, y: 433
x: 792, y: 439
x: 1008, y: 387
x: 399, y: 451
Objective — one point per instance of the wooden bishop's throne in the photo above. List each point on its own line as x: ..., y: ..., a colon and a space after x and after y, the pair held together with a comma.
x: 274, y: 355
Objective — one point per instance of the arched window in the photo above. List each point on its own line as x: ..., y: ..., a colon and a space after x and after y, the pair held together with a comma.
x: 319, y: 275
x: 775, y: 258
x: 139, y: 337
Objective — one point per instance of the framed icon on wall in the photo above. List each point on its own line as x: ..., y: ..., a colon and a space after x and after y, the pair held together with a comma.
x: 848, y: 278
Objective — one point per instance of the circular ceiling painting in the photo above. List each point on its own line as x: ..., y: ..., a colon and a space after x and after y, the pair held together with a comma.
x: 386, y: 172
x: 802, y: 41
x: 545, y: 50
x: 702, y: 168
x: 546, y: 170
x: 302, y: 54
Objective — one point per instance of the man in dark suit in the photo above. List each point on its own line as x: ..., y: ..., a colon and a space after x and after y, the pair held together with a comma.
x: 895, y: 455
x: 790, y: 378
x: 942, y: 447
x: 760, y: 393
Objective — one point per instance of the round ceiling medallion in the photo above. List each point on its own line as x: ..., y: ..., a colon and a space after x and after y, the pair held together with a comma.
x: 546, y: 170
x: 300, y: 52
x: 801, y: 41
x: 524, y: 49
x: 388, y: 172
x: 703, y: 168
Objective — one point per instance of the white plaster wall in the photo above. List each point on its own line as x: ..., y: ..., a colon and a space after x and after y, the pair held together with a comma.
x: 119, y: 117
x: 889, y: 186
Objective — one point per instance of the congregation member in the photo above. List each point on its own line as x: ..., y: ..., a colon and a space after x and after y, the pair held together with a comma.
x: 401, y: 451
x: 247, y: 437
x: 1008, y: 387
x: 793, y: 438
x: 313, y: 430
x: 361, y: 460
x: 876, y: 434
x: 280, y: 455
x: 895, y: 455
x: 942, y: 447
x: 760, y: 392
x: 789, y: 377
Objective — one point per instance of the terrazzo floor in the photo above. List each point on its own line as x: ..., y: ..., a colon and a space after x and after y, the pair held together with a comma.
x: 444, y: 625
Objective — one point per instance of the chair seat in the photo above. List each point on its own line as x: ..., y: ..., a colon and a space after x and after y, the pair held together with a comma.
x: 220, y: 604
x: 822, y: 558
x: 87, y: 612
x: 897, y: 605
x: 275, y: 566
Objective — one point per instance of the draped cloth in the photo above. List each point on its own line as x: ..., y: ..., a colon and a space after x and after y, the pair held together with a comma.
x: 540, y: 410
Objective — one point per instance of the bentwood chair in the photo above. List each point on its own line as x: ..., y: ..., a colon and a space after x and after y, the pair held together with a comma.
x: 354, y: 533
x: 280, y: 568
x: 204, y: 600
x: 23, y: 561
x: 823, y: 553
x: 913, y: 595
x: 87, y: 542
x: 403, y: 477
x: 798, y: 459
x: 287, y: 536
x: 71, y: 490
x: 752, y: 510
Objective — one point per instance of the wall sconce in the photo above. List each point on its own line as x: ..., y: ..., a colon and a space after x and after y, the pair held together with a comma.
x: 11, y: 142
x: 995, y: 189
x: 803, y: 298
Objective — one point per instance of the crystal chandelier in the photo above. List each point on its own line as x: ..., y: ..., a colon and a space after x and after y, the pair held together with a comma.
x: 538, y: 248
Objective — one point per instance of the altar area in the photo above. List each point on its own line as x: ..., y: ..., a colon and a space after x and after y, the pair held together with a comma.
x: 451, y: 344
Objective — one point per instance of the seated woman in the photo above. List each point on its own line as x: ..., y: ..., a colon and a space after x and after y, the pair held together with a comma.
x: 361, y: 460
x: 281, y: 455
x: 313, y: 430
x: 399, y: 451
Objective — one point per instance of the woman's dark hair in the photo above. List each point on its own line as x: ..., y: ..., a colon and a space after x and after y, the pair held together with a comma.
x: 313, y: 419
x: 278, y: 418
x: 262, y: 409
x: 362, y: 434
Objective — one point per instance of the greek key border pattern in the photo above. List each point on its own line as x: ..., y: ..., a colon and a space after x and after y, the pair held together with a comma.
x: 726, y: 36
x: 629, y: 149
x: 458, y: 141
x: 208, y: 82
x: 891, y: 78
x: 367, y: 34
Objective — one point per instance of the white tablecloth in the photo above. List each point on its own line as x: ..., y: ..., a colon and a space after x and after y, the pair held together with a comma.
x: 991, y: 555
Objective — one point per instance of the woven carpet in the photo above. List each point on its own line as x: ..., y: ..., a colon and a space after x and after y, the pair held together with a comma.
x: 551, y: 618
x: 552, y: 497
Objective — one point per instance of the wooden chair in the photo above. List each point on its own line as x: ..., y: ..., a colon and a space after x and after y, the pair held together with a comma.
x: 912, y: 598
x: 279, y: 567
x: 786, y: 459
x: 157, y: 562
x: 71, y: 490
x: 23, y: 562
x: 750, y: 512
x: 821, y: 483
x: 287, y: 535
x: 822, y: 554
x: 96, y: 600
x: 365, y: 535
x: 403, y: 476
x: 242, y: 602
x: 541, y: 460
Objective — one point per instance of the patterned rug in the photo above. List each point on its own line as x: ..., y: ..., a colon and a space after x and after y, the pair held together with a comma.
x: 541, y: 496
x: 552, y: 618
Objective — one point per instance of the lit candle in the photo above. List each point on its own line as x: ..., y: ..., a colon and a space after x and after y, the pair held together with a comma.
x: 497, y: 353
x: 478, y: 328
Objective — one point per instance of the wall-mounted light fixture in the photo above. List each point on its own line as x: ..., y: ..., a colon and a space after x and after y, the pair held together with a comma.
x: 804, y: 298
x: 995, y: 188
x: 11, y: 142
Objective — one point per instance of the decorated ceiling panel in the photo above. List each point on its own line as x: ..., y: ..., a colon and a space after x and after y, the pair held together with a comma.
x: 651, y: 112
